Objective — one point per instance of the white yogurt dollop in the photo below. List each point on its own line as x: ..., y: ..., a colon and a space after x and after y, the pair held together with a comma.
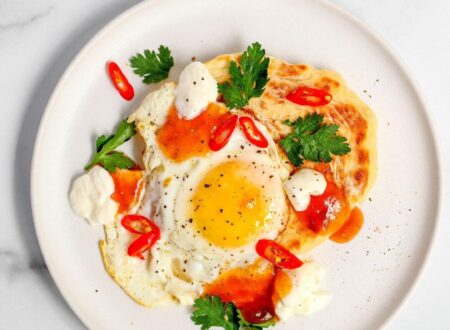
x: 195, y: 90
x: 301, y: 185
x: 306, y: 295
x: 90, y: 196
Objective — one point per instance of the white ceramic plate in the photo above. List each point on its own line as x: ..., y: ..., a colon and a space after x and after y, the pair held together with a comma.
x: 369, y: 278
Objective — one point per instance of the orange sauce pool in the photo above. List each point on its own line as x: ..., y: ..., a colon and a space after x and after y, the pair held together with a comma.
x: 350, y: 228
x: 128, y: 185
x: 254, y: 290
x: 181, y: 139
x: 326, y: 213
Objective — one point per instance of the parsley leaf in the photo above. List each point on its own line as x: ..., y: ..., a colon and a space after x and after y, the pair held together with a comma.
x: 212, y: 312
x: 313, y: 140
x: 101, y: 141
x: 105, y: 145
x: 248, y: 80
x: 152, y: 66
x: 246, y: 325
x: 116, y: 159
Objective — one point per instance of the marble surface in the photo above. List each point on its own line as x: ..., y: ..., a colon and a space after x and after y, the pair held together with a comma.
x: 39, y: 38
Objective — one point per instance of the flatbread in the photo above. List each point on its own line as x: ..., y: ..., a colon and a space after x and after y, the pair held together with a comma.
x: 353, y: 173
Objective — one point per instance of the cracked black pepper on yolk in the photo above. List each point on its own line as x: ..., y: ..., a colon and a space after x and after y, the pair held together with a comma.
x: 227, y: 208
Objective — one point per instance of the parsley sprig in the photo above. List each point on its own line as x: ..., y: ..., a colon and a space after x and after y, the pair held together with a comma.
x: 247, y: 80
x: 211, y: 311
x: 152, y: 66
x: 313, y: 140
x: 106, y: 155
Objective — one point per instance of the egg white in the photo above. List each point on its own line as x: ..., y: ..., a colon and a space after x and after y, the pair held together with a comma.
x: 181, y: 262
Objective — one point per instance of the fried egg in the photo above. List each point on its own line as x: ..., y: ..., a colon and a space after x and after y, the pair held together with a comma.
x: 211, y: 207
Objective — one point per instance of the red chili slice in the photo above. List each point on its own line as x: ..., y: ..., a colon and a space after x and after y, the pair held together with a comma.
x: 277, y: 255
x: 309, y: 96
x: 148, y: 232
x: 142, y: 244
x: 138, y: 224
x: 252, y: 133
x: 221, y: 135
x: 120, y: 82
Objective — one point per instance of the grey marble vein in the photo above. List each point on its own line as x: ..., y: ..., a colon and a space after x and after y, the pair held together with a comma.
x: 13, y: 265
x: 26, y: 21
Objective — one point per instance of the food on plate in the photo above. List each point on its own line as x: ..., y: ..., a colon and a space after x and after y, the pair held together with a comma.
x: 120, y: 81
x: 249, y: 162
x: 151, y: 66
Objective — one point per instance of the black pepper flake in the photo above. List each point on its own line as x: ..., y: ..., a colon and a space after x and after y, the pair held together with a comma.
x: 203, y: 78
x: 207, y: 185
x: 185, y: 261
x: 194, y: 82
x: 204, y: 227
x: 187, y: 100
x: 242, y: 147
x: 190, y: 220
x: 96, y: 290
x: 221, y: 210
x: 271, y: 176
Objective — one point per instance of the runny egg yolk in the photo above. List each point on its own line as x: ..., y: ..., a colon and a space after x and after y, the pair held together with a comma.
x: 228, y: 208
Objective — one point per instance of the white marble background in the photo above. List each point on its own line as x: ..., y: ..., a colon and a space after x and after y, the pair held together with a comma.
x: 38, y: 39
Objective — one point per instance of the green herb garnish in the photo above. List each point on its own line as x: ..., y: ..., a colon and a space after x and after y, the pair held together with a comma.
x: 211, y: 311
x: 152, y: 66
x: 247, y: 80
x: 106, y: 155
x: 313, y: 140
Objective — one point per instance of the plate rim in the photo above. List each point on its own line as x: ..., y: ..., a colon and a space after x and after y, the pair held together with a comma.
x: 365, y: 27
